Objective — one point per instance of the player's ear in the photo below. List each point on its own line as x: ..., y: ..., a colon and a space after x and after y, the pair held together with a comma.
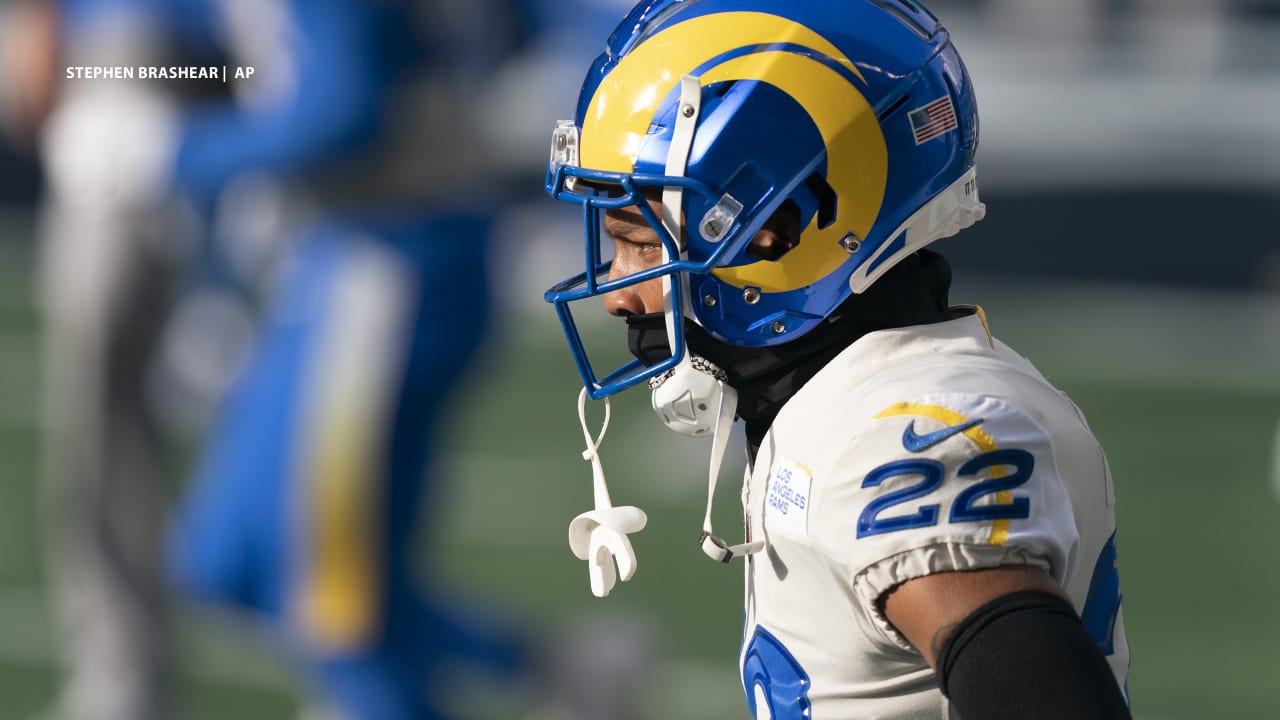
x: 780, y: 233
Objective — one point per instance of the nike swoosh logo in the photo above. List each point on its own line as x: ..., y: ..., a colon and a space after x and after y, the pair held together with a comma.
x: 919, y: 443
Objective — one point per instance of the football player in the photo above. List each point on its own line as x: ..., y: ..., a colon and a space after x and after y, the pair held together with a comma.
x: 929, y: 524
x: 304, y: 509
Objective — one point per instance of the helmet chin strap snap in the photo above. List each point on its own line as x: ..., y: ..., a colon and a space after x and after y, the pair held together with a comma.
x: 600, y: 535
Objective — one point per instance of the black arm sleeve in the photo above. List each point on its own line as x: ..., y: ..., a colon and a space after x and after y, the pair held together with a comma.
x: 1027, y: 655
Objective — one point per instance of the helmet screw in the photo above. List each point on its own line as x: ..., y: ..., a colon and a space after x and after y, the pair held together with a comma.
x: 851, y: 243
x: 687, y: 110
x: 562, y: 142
x: 751, y: 295
x: 712, y: 229
x: 778, y: 327
x: 708, y: 300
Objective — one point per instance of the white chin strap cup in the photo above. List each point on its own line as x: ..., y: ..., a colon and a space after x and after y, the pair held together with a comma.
x: 687, y: 398
x: 600, y: 536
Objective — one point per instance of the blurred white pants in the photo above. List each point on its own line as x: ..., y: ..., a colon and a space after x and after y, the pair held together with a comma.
x: 106, y: 273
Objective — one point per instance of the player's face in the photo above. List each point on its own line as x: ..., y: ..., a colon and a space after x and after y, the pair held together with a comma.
x: 635, y: 247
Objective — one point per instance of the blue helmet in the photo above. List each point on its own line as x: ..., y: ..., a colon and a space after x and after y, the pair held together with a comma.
x: 860, y: 112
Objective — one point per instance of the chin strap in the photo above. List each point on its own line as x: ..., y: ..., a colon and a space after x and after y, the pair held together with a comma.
x: 690, y: 104
x: 713, y: 545
x: 600, y: 536
x: 689, y: 386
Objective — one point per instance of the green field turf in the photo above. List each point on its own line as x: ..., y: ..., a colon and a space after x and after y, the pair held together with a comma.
x: 1199, y: 524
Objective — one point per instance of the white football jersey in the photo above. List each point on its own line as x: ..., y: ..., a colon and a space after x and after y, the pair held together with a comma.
x: 917, y: 450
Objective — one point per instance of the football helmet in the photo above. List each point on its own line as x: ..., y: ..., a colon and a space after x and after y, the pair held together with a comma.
x: 860, y: 112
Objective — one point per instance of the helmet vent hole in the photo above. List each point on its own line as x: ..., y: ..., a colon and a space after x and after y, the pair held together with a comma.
x: 826, y: 198
x: 723, y: 88
x: 913, y: 15
x: 893, y: 107
x: 780, y: 234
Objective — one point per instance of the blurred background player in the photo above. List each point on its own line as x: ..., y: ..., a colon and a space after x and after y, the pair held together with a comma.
x: 304, y: 506
x: 355, y: 144
x: 112, y: 241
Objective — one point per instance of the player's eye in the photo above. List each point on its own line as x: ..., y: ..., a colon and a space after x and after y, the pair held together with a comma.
x: 637, y: 243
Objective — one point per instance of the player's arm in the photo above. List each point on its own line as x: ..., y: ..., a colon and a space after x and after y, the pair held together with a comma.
x: 330, y: 104
x: 1006, y: 643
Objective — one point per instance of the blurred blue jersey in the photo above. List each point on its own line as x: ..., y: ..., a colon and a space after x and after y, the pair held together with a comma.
x: 333, y: 84
x: 305, y: 503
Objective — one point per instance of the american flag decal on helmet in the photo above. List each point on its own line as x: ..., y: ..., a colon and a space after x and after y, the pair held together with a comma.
x: 933, y: 120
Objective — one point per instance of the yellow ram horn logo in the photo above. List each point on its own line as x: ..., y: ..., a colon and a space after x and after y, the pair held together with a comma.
x: 623, y: 108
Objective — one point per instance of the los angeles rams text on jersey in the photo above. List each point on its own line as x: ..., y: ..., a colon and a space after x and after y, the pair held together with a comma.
x: 951, y: 452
